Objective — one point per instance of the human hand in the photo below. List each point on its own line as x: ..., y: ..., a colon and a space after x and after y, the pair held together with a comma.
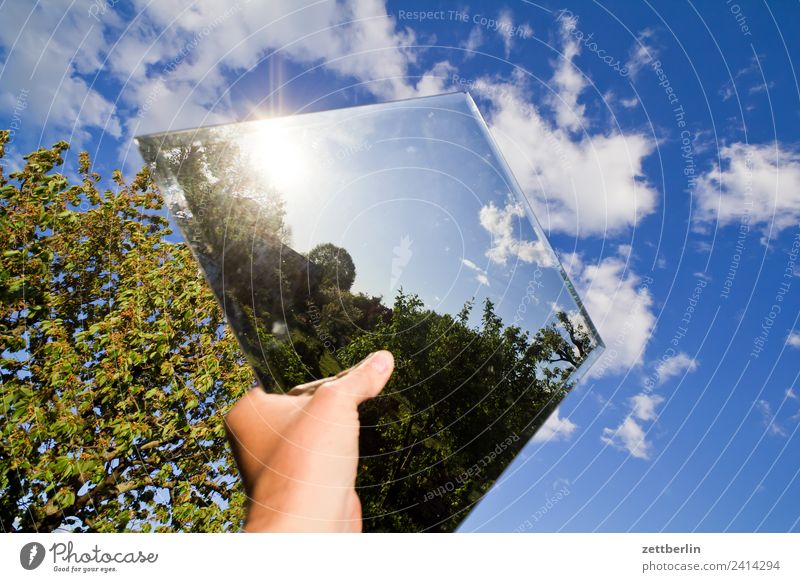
x: 298, y: 455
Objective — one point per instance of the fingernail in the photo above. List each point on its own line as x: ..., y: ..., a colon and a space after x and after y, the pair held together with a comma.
x: 380, y: 361
x: 364, y: 361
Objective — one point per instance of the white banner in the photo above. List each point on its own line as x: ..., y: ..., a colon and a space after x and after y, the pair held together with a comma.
x: 401, y: 557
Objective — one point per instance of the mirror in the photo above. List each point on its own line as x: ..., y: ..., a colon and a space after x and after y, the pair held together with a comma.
x: 329, y: 235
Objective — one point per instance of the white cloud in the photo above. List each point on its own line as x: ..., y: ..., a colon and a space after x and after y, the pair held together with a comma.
x: 629, y: 103
x: 501, y: 223
x: 674, y: 366
x: 568, y: 82
x: 791, y: 394
x: 175, y: 60
x: 504, y: 22
x: 793, y: 340
x: 357, y: 38
x: 628, y: 436
x: 642, y: 54
x: 508, y: 30
x: 473, y: 42
x: 768, y: 418
x: 590, y: 186
x: 644, y: 405
x: 729, y: 89
x: 47, y: 64
x: 470, y: 265
x: 620, y: 305
x: 625, y: 250
x: 174, y: 63
x: 761, y: 88
x: 554, y: 429
x: 436, y: 80
x: 480, y: 274
x: 760, y: 181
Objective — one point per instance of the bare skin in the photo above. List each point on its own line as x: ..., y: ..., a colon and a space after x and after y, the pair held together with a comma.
x: 298, y: 453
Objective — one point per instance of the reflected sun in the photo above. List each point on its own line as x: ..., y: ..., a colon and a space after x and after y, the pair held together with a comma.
x: 279, y: 157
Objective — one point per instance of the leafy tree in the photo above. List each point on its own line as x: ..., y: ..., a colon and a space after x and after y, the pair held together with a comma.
x: 116, y: 366
x: 459, y: 395
x: 338, y: 269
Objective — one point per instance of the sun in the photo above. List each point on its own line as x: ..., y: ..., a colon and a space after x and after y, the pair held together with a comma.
x: 278, y: 157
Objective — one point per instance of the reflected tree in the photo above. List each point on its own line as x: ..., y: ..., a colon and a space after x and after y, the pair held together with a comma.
x: 473, y: 394
x: 338, y: 269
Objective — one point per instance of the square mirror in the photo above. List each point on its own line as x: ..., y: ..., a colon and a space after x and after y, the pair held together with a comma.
x: 329, y: 235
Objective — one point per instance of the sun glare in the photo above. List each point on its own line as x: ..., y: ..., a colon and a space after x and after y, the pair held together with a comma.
x: 279, y: 157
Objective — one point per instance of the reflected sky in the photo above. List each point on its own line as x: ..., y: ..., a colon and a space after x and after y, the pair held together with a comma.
x: 417, y: 194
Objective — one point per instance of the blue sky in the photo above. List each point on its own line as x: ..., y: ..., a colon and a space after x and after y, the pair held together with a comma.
x: 658, y: 145
x: 417, y: 194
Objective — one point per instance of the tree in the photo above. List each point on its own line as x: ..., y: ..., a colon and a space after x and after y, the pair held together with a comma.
x: 459, y: 396
x: 116, y: 365
x: 338, y: 269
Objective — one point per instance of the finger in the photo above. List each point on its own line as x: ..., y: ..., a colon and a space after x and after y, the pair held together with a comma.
x: 253, y: 426
x: 362, y: 382
x: 310, y: 387
x: 237, y: 423
x: 354, y: 524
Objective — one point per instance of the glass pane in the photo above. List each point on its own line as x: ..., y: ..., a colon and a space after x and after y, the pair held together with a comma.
x: 396, y: 226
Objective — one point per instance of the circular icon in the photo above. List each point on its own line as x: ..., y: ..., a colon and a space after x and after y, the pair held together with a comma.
x: 31, y: 555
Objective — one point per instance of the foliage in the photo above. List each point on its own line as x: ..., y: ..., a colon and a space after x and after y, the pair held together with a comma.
x: 338, y: 269
x: 476, y: 393
x: 116, y: 366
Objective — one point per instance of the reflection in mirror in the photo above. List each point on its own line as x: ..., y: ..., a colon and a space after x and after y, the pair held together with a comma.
x: 327, y: 236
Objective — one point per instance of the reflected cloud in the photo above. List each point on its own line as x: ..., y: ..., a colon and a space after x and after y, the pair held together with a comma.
x: 501, y: 224
x: 480, y: 274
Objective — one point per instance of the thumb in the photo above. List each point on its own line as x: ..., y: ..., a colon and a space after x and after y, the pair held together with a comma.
x: 363, y: 382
